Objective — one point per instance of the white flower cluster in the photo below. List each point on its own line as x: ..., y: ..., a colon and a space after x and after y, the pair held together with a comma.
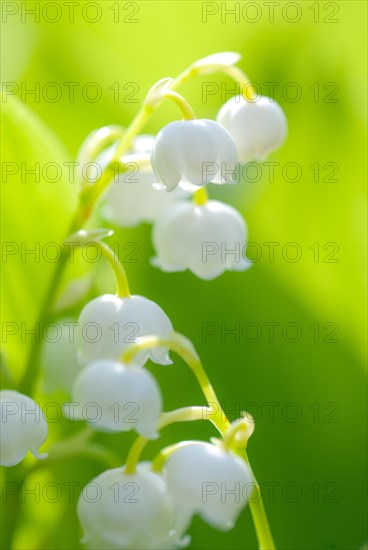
x: 150, y: 505
x: 128, y: 397
x: 90, y: 370
x: 148, y: 509
x: 182, y: 158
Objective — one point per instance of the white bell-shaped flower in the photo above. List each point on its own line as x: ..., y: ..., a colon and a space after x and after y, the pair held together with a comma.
x: 208, y: 239
x: 59, y: 358
x: 207, y: 480
x: 23, y: 427
x: 108, y: 324
x: 258, y: 127
x: 135, y: 511
x: 133, y: 198
x: 113, y: 397
x: 194, y: 153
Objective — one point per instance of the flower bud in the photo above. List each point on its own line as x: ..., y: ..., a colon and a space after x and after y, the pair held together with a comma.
x: 108, y: 324
x: 113, y: 397
x: 208, y: 239
x: 119, y: 510
x: 22, y: 428
x: 258, y: 127
x: 207, y: 480
x: 193, y: 152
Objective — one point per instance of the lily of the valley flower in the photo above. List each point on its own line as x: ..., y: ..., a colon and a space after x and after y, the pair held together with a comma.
x: 22, y: 427
x: 108, y: 324
x: 207, y: 239
x: 193, y: 153
x: 129, y: 511
x: 258, y: 127
x: 121, y: 398
x: 207, y: 480
x: 133, y: 198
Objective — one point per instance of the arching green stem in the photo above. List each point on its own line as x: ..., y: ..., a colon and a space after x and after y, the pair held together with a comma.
x: 185, y: 349
x: 246, y: 88
x: 133, y: 129
x: 184, y: 414
x: 186, y: 109
x: 93, y: 237
x: 122, y: 285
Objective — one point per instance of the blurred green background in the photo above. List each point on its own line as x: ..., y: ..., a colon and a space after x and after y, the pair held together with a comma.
x: 314, y: 49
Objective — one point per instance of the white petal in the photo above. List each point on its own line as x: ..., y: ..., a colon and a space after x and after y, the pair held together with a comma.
x: 207, y: 239
x: 210, y: 481
x: 108, y: 324
x: 166, y: 157
x: 147, y: 319
x: 174, y: 236
x: 22, y: 427
x: 131, y: 511
x: 114, y: 397
x: 199, y: 152
x: 227, y: 155
x: 134, y: 199
x: 257, y: 127
x: 222, y: 241
x: 193, y: 152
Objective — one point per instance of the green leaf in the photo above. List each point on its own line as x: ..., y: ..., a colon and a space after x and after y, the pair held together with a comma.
x: 36, y: 215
